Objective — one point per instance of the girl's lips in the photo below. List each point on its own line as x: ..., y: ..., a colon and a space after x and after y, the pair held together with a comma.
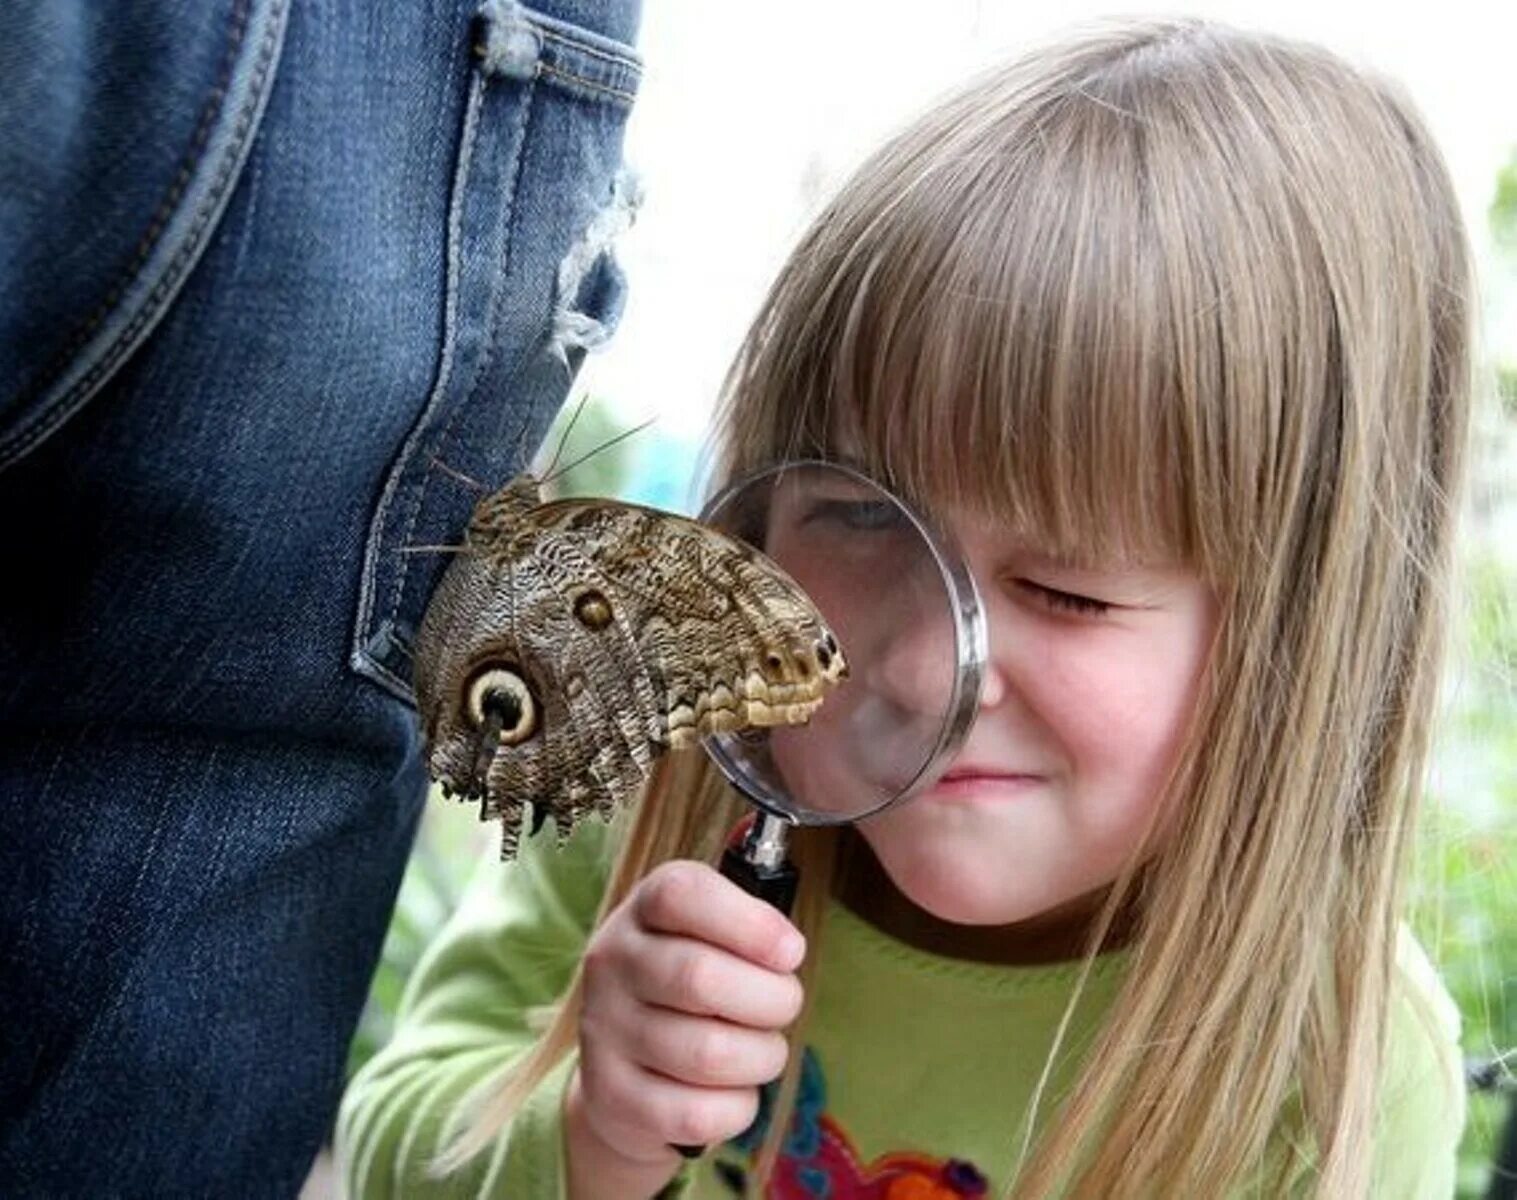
x: 990, y: 785
x: 974, y: 770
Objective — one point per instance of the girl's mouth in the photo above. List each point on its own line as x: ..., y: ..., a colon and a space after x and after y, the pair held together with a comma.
x: 983, y: 783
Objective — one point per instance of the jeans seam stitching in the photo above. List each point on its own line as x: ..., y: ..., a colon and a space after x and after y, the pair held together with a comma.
x: 493, y: 324
x: 44, y: 424
x: 445, y: 369
x: 592, y: 51
x: 159, y: 220
x: 368, y: 617
x: 379, y: 668
x: 544, y: 69
x: 495, y: 313
x: 23, y: 440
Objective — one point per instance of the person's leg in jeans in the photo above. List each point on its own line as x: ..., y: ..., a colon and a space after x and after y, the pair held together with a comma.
x: 264, y: 265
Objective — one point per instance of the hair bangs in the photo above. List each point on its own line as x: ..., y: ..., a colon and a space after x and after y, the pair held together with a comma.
x: 994, y: 338
x: 1062, y: 302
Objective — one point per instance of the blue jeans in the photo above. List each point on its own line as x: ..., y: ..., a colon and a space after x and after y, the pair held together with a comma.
x: 262, y: 264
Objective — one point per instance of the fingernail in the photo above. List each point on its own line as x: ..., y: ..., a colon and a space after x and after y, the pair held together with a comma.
x: 793, y: 948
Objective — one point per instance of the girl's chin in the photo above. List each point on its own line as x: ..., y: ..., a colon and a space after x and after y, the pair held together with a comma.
x: 951, y: 893
x: 963, y: 908
x: 989, y: 926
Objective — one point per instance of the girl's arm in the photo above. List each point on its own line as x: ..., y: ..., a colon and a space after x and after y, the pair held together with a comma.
x: 469, y: 1010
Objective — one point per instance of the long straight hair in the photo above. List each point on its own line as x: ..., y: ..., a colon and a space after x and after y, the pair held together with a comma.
x: 1164, y: 288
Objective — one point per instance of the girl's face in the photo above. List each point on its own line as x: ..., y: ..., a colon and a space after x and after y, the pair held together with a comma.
x: 1091, y: 680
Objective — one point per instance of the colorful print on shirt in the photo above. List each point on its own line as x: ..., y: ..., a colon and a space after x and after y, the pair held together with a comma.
x: 819, y: 1162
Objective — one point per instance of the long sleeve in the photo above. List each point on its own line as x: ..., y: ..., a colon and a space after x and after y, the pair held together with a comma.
x: 468, y: 1013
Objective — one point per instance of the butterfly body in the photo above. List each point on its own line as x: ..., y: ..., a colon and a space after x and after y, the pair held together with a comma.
x: 570, y: 643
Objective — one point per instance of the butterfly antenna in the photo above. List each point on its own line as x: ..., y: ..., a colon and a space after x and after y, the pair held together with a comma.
x: 603, y: 446
x: 564, y: 437
x: 433, y: 549
x: 521, y: 437
x: 458, y: 475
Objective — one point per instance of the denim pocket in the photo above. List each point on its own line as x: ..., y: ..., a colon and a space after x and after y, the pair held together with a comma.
x: 537, y: 198
x: 126, y: 130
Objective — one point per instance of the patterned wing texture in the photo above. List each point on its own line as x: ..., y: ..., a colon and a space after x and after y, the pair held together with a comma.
x: 573, y: 642
x: 725, y: 639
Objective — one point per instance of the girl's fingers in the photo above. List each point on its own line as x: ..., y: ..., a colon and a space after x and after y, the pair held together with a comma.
x: 641, y: 1109
x: 694, y: 977
x: 704, y: 1051
x: 692, y: 900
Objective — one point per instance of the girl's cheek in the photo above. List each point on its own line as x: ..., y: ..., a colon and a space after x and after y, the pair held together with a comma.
x: 1088, y: 680
x: 1119, y: 703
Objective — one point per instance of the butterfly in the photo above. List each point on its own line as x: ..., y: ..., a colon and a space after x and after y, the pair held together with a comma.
x: 570, y: 643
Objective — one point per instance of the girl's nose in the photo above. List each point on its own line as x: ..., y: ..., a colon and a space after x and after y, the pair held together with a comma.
x: 993, y: 686
x: 915, y: 656
x: 914, y: 660
x: 979, y: 548
x: 1001, y: 652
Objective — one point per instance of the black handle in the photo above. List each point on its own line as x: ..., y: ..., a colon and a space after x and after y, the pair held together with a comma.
x: 774, y: 885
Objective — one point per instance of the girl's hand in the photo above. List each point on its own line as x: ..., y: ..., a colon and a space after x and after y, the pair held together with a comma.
x: 687, y: 985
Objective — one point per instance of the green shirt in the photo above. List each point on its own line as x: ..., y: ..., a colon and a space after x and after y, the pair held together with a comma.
x: 918, y: 1072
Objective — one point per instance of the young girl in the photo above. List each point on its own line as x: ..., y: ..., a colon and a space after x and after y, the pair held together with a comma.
x: 1169, y: 325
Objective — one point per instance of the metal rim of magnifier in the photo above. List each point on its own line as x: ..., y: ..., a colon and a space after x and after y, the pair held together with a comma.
x: 970, y: 642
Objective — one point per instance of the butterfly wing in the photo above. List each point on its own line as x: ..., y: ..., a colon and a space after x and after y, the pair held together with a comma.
x: 590, y: 636
x: 594, y: 746
x: 726, y: 639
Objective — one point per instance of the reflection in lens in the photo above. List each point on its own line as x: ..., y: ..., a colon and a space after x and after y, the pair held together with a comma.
x: 908, y: 621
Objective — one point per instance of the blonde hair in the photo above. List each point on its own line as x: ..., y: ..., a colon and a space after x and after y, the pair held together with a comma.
x: 1170, y: 288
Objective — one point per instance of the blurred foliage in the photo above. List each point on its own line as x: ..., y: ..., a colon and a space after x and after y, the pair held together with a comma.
x: 1464, y: 891
x: 600, y: 450
x: 1503, y: 210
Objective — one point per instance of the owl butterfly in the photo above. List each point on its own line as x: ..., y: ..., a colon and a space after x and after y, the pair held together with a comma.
x: 570, y: 643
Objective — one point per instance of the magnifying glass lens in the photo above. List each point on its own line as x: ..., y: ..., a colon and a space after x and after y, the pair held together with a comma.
x: 905, y: 613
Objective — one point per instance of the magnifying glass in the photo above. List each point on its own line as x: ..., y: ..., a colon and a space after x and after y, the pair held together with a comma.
x: 905, y: 610
x: 904, y: 607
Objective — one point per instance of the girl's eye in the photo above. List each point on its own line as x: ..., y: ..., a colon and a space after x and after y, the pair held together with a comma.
x: 1069, y: 602
x: 855, y: 514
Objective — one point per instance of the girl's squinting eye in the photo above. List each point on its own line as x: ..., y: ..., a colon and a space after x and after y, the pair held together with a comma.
x: 1085, y: 606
